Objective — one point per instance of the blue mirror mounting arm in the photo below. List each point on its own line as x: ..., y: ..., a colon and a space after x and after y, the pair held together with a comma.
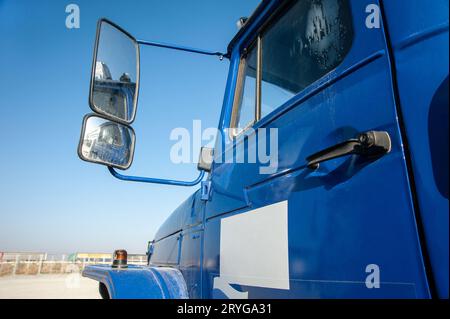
x: 183, y: 48
x: 156, y: 180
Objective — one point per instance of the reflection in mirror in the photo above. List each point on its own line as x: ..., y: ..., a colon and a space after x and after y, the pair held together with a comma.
x: 106, y: 142
x: 115, y: 74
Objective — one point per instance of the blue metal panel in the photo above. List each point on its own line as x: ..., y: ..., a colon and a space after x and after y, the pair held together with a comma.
x: 175, y: 222
x: 137, y: 282
x: 188, y: 214
x: 419, y: 36
x: 166, y: 251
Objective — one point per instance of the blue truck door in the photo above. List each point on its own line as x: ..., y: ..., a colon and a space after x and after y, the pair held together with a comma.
x: 330, y: 232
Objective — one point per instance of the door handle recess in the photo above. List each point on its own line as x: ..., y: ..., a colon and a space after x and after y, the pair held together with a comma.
x: 368, y: 144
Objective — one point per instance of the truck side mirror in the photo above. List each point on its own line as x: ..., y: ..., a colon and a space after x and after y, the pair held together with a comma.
x: 106, y: 142
x: 107, y: 138
x: 114, y: 83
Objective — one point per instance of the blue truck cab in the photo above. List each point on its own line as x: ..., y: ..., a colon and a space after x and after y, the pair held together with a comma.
x: 354, y: 96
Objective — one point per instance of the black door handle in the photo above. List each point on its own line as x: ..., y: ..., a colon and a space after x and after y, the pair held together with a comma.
x: 368, y: 144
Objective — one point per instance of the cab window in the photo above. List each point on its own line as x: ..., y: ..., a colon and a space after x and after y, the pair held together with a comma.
x: 307, y: 41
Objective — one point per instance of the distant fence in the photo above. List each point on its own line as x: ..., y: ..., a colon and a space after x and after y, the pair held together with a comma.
x: 42, y: 263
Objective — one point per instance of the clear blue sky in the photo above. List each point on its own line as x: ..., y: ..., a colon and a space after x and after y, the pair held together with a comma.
x: 49, y: 199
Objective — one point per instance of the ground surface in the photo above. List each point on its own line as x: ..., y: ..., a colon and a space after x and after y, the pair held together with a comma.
x: 71, y: 286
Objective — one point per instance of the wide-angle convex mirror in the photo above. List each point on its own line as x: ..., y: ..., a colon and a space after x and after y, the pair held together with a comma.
x: 115, y: 73
x: 106, y: 142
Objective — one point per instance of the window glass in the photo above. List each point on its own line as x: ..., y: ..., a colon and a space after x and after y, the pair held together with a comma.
x: 247, y: 100
x: 307, y: 42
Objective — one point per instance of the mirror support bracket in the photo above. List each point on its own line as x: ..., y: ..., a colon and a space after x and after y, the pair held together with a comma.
x: 183, y: 48
x: 156, y: 180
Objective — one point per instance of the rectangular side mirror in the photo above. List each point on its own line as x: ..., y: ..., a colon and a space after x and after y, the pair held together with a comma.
x: 106, y: 142
x: 115, y: 73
